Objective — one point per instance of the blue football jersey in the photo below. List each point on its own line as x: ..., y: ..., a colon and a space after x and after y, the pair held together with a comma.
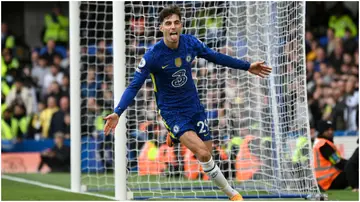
x: 170, y: 71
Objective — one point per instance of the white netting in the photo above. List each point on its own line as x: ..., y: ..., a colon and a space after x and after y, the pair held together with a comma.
x: 96, y: 94
x: 273, y: 111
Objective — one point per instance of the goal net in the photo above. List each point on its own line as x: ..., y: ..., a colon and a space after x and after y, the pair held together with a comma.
x: 259, y: 126
x: 97, y: 150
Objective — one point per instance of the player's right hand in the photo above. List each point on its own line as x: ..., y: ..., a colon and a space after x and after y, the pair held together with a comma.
x: 111, y: 122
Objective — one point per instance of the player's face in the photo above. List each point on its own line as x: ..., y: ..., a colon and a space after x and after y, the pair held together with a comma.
x: 171, y: 29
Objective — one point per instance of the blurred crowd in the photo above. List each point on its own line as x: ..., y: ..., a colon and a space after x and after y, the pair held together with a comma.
x: 35, y: 90
x: 332, y: 66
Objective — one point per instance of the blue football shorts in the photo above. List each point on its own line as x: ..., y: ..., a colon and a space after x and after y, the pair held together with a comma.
x: 178, y: 123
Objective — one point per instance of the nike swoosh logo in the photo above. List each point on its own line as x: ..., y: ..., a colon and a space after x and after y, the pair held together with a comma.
x: 163, y: 67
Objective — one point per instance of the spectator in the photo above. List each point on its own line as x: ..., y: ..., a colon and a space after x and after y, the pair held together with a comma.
x: 8, y: 62
x: 22, y: 119
x: 58, y: 157
x: 340, y: 21
x: 352, y: 104
x: 338, y: 111
x: 7, y: 39
x: 320, y: 58
x: 88, y: 115
x: 311, y: 55
x: 9, y: 127
x: 39, y: 71
x: 58, y: 119
x: 67, y: 126
x: 65, y: 85
x: 90, y: 87
x: 50, y: 51
x: 309, y: 38
x: 20, y: 95
x: 350, y: 44
x: 46, y: 115
x: 34, y: 131
x: 335, y: 58
x: 53, y: 75
x: 65, y: 63
x: 331, y: 41
x: 55, y: 91
x: 57, y: 60
x: 56, y: 27
x: 101, y: 54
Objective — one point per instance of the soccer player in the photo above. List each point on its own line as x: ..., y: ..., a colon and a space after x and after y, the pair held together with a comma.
x: 169, y: 64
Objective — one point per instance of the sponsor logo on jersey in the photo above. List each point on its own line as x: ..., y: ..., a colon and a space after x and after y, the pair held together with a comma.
x: 142, y: 63
x: 163, y: 67
x: 178, y: 62
x: 188, y: 58
x: 180, y: 78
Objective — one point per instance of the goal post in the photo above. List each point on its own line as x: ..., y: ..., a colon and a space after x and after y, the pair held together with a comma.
x: 75, y: 96
x: 258, y: 125
x: 119, y: 88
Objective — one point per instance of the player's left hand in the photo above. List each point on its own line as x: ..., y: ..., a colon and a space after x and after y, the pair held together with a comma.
x: 111, y: 122
x: 260, y: 69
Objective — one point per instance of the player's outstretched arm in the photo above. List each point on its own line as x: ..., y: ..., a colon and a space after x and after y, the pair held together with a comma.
x: 111, y: 122
x: 257, y: 68
x: 260, y: 69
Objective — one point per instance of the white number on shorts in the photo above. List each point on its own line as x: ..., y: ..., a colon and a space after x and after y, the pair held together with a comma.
x: 202, y: 124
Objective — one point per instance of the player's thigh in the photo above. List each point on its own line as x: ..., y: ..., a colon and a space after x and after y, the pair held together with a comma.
x: 195, y: 144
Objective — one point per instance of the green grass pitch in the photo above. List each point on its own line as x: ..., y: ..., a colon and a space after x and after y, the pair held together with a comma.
x: 11, y: 190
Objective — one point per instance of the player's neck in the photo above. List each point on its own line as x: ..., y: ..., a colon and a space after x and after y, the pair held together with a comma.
x: 172, y: 45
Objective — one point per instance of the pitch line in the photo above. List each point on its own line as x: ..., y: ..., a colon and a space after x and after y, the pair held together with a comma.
x: 22, y: 180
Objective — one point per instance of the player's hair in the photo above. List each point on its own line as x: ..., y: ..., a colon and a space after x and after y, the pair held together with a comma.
x: 173, y: 9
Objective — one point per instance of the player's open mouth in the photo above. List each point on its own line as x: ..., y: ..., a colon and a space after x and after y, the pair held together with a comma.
x: 173, y: 35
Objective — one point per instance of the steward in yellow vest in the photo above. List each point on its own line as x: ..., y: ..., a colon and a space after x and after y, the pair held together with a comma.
x: 8, y: 62
x: 22, y: 119
x: 7, y: 39
x: 9, y: 126
x: 56, y: 27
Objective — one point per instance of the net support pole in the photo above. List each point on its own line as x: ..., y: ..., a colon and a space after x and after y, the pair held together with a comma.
x: 75, y: 123
x: 306, y: 97
x: 274, y: 104
x: 119, y: 87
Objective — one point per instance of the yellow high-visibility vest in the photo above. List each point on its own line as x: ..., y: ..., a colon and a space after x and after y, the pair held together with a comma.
x: 9, y: 132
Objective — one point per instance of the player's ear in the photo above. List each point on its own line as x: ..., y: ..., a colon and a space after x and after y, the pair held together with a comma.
x: 161, y: 28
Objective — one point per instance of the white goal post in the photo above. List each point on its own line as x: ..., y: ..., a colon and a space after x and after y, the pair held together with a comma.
x: 259, y: 126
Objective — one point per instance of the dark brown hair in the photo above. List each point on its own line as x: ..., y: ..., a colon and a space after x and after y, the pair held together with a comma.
x: 173, y: 9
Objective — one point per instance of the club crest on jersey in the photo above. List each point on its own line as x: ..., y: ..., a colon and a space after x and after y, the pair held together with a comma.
x: 142, y: 63
x: 178, y: 62
x: 188, y: 58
